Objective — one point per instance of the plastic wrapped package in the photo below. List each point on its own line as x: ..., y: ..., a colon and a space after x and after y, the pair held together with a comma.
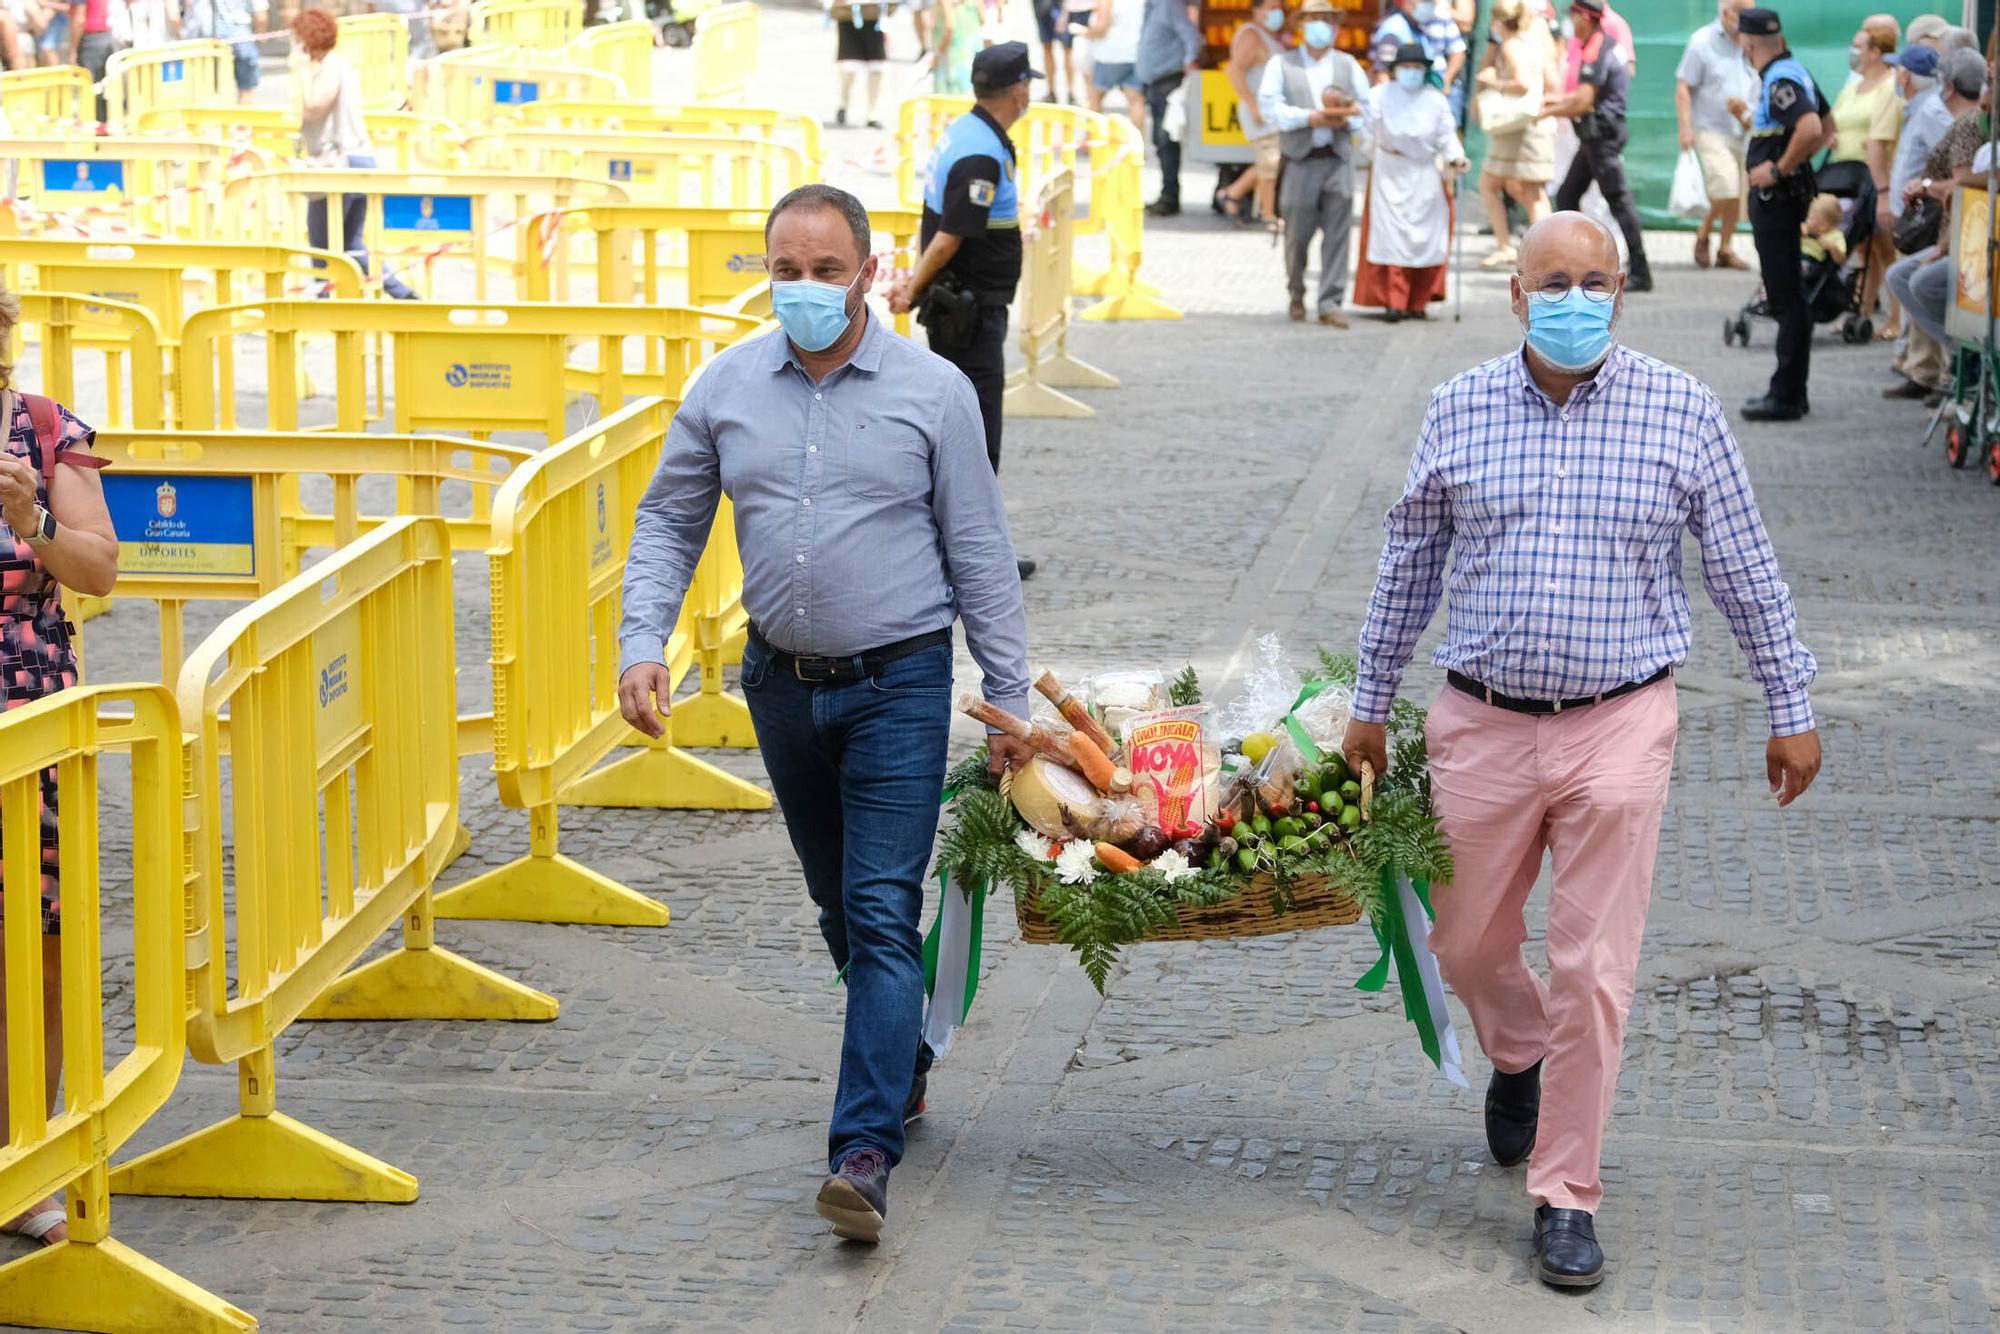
x: 1269, y: 690
x: 1119, y: 697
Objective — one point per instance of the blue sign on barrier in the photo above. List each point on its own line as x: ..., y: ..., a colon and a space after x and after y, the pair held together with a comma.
x: 427, y: 213
x: 513, y: 92
x: 83, y: 176
x: 187, y: 525
x: 621, y: 169
x: 173, y: 71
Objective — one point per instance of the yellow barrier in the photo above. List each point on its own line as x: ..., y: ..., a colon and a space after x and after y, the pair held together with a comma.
x: 55, y: 100
x: 1035, y: 390
x: 725, y: 53
x: 402, y: 140
x: 469, y: 368
x: 623, y: 50
x: 541, y: 25
x: 199, y: 73
x: 713, y: 255
x: 378, y: 47
x: 422, y: 216
x: 217, y: 515
x: 93, y: 1281
x: 342, y: 797
x: 104, y: 186
x: 1122, y: 202
x: 669, y: 170
x: 68, y: 321
x: 562, y: 526
x: 792, y: 128
x: 478, y: 85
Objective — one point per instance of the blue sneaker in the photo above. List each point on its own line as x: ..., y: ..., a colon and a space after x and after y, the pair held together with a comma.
x: 856, y: 1198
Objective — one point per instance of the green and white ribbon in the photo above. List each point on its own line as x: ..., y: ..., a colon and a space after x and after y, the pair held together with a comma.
x: 951, y: 961
x: 1404, y: 932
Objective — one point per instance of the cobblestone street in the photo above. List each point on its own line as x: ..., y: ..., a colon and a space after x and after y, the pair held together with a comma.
x: 1807, y: 1128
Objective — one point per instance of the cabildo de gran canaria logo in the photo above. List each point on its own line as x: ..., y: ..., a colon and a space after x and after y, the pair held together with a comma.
x: 333, y: 680
x: 166, y: 500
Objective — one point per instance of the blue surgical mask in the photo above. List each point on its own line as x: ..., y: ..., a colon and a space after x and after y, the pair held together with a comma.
x: 1426, y: 10
x: 1572, y: 333
x: 1318, y: 33
x: 1410, y: 77
x: 813, y: 314
x: 1274, y: 19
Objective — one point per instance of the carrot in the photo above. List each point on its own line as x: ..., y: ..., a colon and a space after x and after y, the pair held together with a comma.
x: 1117, y: 860
x: 1094, y: 763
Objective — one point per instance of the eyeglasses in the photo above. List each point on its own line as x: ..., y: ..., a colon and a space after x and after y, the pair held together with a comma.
x: 1555, y: 286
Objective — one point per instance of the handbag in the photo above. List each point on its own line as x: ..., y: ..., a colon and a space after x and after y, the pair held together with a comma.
x: 1919, y: 226
x: 1499, y: 114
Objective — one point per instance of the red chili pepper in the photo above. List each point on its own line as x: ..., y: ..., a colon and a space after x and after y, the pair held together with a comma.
x: 1313, y: 806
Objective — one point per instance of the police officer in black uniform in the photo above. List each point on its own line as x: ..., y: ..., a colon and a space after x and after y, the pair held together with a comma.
x: 1597, y: 109
x: 971, y: 261
x: 1789, y: 125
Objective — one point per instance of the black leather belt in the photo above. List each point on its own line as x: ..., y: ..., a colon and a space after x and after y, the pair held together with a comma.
x: 1323, y: 150
x: 854, y: 667
x: 1512, y: 705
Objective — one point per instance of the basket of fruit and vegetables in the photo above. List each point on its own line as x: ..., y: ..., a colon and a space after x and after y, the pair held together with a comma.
x: 1145, y: 816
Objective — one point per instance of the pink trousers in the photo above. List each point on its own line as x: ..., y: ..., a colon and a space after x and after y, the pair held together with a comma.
x: 1587, y: 786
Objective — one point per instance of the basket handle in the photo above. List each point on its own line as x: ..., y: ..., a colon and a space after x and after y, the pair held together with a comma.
x: 1367, y: 788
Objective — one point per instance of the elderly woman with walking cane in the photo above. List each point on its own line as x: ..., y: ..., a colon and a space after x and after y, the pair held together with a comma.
x: 1407, y: 222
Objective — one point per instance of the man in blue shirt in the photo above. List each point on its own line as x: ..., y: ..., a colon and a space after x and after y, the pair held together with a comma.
x: 1169, y: 47
x: 1430, y: 25
x: 869, y: 521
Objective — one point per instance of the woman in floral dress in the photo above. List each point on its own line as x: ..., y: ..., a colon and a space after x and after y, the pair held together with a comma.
x: 55, y: 533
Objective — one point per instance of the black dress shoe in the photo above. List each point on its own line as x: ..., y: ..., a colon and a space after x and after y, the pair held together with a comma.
x: 1907, y: 389
x: 1637, y: 283
x: 1768, y: 409
x: 1025, y: 567
x: 1566, y: 1251
x: 1513, y: 1109
x: 1160, y: 208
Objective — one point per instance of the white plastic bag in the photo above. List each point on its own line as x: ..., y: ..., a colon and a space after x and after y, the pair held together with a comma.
x: 1174, y: 123
x: 1269, y: 691
x: 1689, y: 197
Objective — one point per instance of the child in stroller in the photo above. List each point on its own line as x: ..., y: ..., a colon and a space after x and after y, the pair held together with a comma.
x: 1832, y: 231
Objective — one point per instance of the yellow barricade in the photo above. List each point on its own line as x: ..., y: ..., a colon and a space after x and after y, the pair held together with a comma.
x: 725, y: 53
x: 206, y: 515
x: 1122, y: 203
x: 623, y: 50
x: 710, y: 255
x: 340, y: 793
x: 93, y: 1281
x: 425, y: 217
x: 403, y: 140
x: 1035, y: 390
x: 539, y: 25
x: 792, y: 128
x: 479, y: 85
x: 469, y: 368
x: 126, y: 334
x: 132, y: 186
x: 562, y: 526
x: 411, y: 141
x: 668, y: 170
x: 55, y: 100
x: 200, y: 73
x: 378, y: 47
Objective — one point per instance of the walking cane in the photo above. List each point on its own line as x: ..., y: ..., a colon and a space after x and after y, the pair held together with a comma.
x: 1457, y: 242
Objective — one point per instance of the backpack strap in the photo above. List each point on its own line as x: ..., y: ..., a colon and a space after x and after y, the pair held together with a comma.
x: 48, y: 428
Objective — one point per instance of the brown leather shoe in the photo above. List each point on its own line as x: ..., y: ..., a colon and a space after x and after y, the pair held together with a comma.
x: 1729, y: 259
x: 1333, y: 319
x: 1701, y: 252
x: 1298, y: 310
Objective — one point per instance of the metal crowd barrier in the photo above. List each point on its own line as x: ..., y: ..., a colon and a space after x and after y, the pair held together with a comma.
x: 341, y: 796
x: 93, y: 1281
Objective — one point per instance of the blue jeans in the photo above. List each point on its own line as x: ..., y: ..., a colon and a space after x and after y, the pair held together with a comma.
x: 857, y: 769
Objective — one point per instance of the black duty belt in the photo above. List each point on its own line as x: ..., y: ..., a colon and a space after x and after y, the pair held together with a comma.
x: 852, y: 667
x: 1499, y: 701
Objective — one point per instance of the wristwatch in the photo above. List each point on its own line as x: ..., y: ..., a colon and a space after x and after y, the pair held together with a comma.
x: 45, y: 528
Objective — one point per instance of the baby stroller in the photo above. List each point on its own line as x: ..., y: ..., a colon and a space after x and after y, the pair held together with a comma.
x: 1833, y: 290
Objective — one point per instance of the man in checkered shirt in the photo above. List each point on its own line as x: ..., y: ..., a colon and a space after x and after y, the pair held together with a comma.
x: 1561, y: 478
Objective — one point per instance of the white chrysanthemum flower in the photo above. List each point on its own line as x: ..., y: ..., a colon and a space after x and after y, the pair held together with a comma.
x: 1034, y: 844
x: 1173, y: 866
x: 1076, y: 864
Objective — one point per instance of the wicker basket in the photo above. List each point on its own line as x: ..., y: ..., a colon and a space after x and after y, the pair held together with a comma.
x: 1315, y: 903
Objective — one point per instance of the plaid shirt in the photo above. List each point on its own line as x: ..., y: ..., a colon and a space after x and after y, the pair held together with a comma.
x: 1567, y: 523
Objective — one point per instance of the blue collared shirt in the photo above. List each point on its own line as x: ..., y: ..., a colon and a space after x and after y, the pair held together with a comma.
x: 866, y: 510
x: 1564, y: 526
x: 1168, y: 42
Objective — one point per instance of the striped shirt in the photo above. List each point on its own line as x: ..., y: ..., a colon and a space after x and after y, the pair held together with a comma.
x: 1565, y: 524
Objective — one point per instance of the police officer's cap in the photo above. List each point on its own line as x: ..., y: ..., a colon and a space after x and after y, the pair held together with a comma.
x: 1759, y: 23
x: 1002, y: 66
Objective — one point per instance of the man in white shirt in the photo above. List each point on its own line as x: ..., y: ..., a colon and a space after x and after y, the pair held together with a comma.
x: 1313, y: 95
x: 1712, y: 92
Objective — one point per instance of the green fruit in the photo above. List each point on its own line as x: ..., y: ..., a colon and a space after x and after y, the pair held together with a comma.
x: 1215, y: 859
x: 1336, y: 770
x: 1286, y: 828
x: 1351, y: 790
x: 1247, y: 859
x: 1242, y: 832
x: 1350, y: 818
x: 1314, y: 819
x: 1292, y: 842
x: 1262, y: 824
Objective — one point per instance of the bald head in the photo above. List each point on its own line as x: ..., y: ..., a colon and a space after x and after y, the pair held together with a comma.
x: 1569, y: 243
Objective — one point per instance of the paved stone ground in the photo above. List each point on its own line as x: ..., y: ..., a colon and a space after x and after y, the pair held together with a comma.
x: 1806, y: 1127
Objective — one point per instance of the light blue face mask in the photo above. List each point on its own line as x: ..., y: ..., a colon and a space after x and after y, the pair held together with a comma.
x: 813, y: 314
x: 1410, y: 77
x: 1318, y: 34
x: 1571, y: 333
x: 1274, y: 19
